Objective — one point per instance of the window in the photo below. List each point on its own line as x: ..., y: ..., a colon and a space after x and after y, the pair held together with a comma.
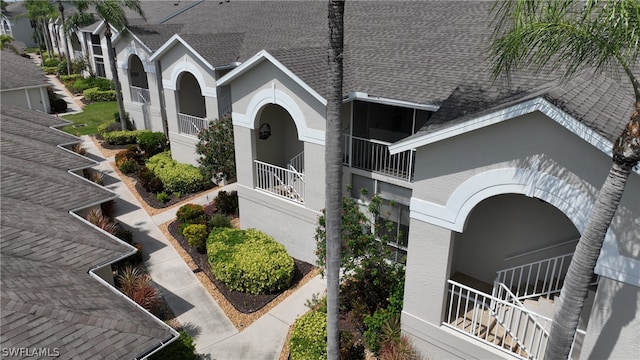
x: 95, y: 45
x: 394, y: 223
x: 100, y: 71
x: 394, y: 212
x: 386, y: 122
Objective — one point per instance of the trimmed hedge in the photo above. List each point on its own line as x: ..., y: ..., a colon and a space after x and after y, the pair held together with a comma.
x: 122, y: 137
x: 249, y: 260
x: 176, y: 177
x: 95, y: 94
x: 50, y: 70
x: 108, y: 127
x: 309, y: 337
x: 81, y: 84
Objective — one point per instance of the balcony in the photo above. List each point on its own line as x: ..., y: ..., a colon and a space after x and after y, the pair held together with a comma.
x: 191, y: 125
x: 140, y: 95
x: 373, y: 155
x: 284, y: 183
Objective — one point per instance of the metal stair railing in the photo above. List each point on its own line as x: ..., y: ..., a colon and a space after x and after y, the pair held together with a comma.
x: 530, y: 329
x: 540, y: 278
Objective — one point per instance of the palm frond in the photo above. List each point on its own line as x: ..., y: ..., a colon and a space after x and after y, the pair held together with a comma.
x: 545, y: 35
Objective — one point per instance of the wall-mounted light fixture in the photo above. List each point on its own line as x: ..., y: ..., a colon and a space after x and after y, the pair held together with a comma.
x: 264, y: 131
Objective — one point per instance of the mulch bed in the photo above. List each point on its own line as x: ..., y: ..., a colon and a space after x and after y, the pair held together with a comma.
x: 243, y: 302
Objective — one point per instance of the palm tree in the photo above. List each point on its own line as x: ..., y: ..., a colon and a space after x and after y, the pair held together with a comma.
x: 575, y: 36
x: 65, y: 34
x: 333, y: 173
x: 73, y: 24
x: 112, y: 14
x: 40, y: 12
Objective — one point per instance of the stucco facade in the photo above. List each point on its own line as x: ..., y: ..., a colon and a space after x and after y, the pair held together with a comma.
x: 538, y: 158
x: 32, y: 98
x: 265, y: 94
x: 139, y: 79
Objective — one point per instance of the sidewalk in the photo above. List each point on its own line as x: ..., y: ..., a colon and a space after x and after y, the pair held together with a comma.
x: 74, y: 104
x: 215, y: 336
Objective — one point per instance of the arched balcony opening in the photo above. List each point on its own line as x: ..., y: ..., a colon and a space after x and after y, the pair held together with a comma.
x: 279, y: 164
x: 192, y: 112
x: 139, y: 85
x: 507, y: 269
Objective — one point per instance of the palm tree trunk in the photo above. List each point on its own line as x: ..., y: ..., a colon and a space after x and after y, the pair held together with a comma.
x: 111, y: 54
x: 333, y: 173
x: 581, y: 269
x: 66, y: 38
x: 34, y: 26
x: 45, y: 36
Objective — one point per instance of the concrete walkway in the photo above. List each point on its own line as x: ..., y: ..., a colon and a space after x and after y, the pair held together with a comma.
x: 214, y: 334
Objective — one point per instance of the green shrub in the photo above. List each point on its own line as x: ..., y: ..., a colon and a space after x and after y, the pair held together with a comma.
x: 152, y: 143
x: 176, y: 177
x: 220, y: 221
x: 108, y: 127
x: 227, y: 203
x: 162, y: 197
x: 249, y: 261
x: 374, y: 324
x: 309, y: 337
x: 191, y: 214
x: 70, y: 79
x: 51, y: 63
x: 82, y: 84
x: 128, y: 166
x: 122, y: 137
x: 183, y: 348
x: 95, y: 94
x: 62, y: 67
x: 217, y: 149
x: 50, y: 70
x: 58, y: 105
x: 196, y: 235
x: 149, y: 181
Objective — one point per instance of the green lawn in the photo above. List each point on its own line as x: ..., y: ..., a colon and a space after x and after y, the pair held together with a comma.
x: 93, y: 115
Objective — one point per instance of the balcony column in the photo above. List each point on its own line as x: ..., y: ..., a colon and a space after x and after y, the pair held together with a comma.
x: 429, y: 257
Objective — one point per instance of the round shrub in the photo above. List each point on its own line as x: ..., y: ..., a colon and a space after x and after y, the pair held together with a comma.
x: 149, y: 181
x: 249, y: 260
x: 191, y: 214
x: 196, y: 235
x: 128, y: 166
x: 309, y: 337
x: 162, y: 197
x: 220, y: 221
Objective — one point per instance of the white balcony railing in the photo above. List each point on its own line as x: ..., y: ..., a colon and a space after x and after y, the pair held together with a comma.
x: 502, y: 323
x: 191, y: 125
x: 140, y: 95
x: 373, y: 155
x: 285, y: 183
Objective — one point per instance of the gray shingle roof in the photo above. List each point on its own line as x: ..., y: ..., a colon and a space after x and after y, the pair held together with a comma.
x: 154, y: 36
x: 19, y: 72
x: 429, y: 52
x: 48, y: 298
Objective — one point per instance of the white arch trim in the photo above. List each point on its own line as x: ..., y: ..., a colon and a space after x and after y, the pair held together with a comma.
x: 274, y: 96
x: 149, y: 67
x: 186, y: 66
x: 575, y: 203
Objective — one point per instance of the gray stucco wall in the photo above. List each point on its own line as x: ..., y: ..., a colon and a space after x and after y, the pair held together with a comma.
x: 544, y: 160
